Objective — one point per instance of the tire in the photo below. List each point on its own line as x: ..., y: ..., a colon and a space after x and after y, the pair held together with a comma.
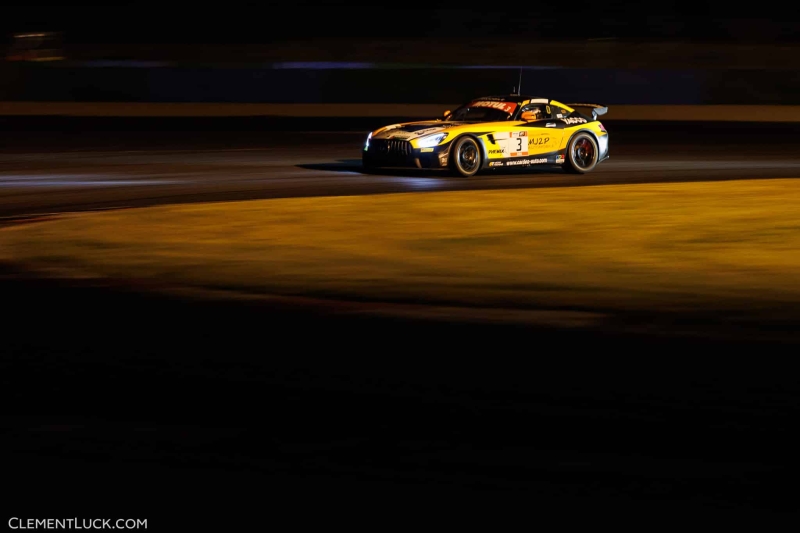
x: 582, y: 154
x: 465, y: 157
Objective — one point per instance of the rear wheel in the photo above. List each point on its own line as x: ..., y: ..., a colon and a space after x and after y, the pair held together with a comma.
x: 582, y: 154
x: 465, y: 157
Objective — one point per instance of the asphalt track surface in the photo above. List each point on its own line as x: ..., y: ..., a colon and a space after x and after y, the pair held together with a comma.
x: 66, y: 164
x: 194, y: 412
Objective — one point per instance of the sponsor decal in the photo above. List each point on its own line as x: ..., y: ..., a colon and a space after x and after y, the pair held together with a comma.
x: 538, y: 140
x: 508, y: 107
x: 427, y: 150
x: 408, y: 132
x: 559, y: 158
x: 496, y: 163
x: 420, y: 133
x: 497, y: 151
x: 574, y: 120
x: 527, y: 161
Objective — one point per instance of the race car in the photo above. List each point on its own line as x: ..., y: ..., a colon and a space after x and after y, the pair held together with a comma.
x: 495, y: 132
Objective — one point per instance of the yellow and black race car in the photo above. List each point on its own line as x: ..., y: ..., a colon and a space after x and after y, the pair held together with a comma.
x: 493, y: 132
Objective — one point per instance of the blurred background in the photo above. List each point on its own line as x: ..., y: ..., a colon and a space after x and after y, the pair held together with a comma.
x: 429, y: 52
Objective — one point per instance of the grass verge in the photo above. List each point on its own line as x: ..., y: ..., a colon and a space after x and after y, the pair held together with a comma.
x: 726, y: 246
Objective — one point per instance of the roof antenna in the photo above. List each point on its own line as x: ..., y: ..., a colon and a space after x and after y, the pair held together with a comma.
x: 518, y: 88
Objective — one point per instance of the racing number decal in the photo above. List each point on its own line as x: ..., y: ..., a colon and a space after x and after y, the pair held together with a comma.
x: 515, y: 145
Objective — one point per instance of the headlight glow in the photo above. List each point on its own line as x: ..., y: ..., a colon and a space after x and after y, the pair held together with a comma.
x: 366, y: 146
x: 431, y: 140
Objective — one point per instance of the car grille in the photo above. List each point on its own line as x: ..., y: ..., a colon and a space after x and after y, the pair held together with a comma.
x: 392, y: 148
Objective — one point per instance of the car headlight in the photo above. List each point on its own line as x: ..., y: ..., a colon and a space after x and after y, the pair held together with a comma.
x: 431, y: 140
x: 366, y: 145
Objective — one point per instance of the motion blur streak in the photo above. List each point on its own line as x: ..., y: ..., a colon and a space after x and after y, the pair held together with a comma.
x: 87, y: 180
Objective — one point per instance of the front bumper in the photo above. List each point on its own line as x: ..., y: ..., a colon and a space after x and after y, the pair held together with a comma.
x: 396, y: 153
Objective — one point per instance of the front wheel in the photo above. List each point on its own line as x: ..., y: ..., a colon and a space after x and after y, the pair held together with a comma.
x: 465, y: 157
x: 582, y: 154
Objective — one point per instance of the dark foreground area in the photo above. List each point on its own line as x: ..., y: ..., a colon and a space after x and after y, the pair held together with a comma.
x: 190, y: 413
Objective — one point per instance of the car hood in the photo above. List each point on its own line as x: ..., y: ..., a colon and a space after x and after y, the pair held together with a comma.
x: 413, y: 130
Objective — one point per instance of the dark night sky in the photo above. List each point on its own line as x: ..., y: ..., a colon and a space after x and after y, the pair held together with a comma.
x: 243, y: 22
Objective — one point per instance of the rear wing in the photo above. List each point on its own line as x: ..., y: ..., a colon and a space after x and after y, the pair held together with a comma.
x: 597, y: 109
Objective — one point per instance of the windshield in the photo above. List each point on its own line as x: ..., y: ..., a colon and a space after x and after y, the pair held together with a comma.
x: 484, y: 111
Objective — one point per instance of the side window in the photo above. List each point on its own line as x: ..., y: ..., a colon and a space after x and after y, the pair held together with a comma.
x: 537, y: 108
x: 559, y: 112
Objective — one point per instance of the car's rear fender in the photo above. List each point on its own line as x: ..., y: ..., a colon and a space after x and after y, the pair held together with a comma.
x: 574, y: 133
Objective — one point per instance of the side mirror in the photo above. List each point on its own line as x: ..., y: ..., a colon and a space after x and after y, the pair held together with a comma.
x: 528, y: 116
x: 446, y: 113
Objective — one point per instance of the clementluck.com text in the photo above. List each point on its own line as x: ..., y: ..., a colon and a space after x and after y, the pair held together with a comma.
x: 77, y: 523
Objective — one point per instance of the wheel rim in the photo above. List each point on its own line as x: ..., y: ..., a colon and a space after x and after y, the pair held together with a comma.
x: 583, y: 152
x: 468, y: 157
